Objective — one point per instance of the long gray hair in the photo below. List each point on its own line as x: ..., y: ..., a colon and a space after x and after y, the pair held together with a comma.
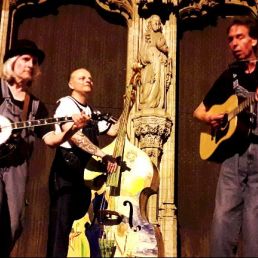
x: 8, y: 70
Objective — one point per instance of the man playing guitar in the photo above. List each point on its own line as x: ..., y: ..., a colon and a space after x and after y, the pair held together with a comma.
x: 236, y: 204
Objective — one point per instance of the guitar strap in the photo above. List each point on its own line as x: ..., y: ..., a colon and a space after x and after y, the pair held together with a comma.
x: 91, y: 129
x: 25, y: 107
x: 242, y: 92
x: 4, y: 94
x: 75, y: 102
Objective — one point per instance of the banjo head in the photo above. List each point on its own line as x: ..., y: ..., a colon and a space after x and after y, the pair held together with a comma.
x: 5, y: 129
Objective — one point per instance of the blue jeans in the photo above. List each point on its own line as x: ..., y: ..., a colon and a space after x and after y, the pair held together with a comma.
x: 236, y: 206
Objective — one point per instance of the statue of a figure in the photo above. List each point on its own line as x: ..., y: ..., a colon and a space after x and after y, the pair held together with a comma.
x: 156, y: 67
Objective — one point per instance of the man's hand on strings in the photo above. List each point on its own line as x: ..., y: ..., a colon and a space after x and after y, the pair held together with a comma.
x: 110, y: 163
x: 214, y: 120
x: 80, y: 120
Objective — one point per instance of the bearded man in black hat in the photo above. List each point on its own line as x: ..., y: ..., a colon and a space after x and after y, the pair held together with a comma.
x: 20, y: 68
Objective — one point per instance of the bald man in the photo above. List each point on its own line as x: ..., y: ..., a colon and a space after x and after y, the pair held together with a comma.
x: 69, y: 197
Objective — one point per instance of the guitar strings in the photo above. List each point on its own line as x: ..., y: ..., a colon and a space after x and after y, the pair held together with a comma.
x: 12, y: 125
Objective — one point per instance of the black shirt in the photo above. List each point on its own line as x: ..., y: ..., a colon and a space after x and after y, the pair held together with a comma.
x: 223, y: 87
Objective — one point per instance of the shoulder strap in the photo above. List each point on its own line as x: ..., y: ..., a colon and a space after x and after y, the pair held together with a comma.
x: 240, y: 91
x: 4, y: 89
x: 25, y: 107
x: 4, y: 92
x: 35, y: 106
x: 75, y: 102
x: 1, y: 94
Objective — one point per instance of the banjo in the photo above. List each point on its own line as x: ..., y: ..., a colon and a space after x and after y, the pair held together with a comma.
x: 7, y: 145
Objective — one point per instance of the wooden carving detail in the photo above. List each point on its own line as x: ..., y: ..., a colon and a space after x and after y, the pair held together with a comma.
x: 18, y: 3
x: 152, y: 131
x: 152, y: 124
x: 201, y: 8
x: 194, y: 9
x: 156, y: 69
x: 186, y: 8
x: 124, y: 7
x: 197, y: 8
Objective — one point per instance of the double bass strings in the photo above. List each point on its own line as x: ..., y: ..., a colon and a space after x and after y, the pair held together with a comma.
x: 113, y: 179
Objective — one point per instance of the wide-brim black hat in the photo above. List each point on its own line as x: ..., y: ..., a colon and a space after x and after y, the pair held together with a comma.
x: 22, y: 47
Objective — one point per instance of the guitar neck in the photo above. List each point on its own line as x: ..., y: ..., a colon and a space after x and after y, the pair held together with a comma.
x: 242, y: 106
x: 40, y: 122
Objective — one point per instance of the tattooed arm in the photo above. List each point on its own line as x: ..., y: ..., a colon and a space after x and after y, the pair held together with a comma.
x: 84, y: 143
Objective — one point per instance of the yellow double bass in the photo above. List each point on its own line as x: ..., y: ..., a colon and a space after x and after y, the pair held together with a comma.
x: 119, y: 223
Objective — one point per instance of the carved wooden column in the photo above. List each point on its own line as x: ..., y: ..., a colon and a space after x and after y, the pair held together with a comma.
x: 153, y: 116
x: 3, y: 29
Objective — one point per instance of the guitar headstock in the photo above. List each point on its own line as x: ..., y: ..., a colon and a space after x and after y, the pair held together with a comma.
x: 97, y: 116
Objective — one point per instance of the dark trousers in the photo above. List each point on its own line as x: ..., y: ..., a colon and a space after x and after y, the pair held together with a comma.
x: 67, y: 204
x: 12, y: 192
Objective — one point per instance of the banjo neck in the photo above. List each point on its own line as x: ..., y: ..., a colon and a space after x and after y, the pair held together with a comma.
x: 6, y: 126
x: 39, y: 122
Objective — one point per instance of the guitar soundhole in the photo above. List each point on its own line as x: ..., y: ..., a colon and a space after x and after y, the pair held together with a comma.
x: 224, y: 122
x: 223, y: 129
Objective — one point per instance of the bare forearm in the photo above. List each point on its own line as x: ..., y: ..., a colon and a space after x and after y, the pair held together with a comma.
x: 81, y: 141
x: 113, y: 130
x: 53, y: 139
x: 214, y: 120
x: 200, y: 113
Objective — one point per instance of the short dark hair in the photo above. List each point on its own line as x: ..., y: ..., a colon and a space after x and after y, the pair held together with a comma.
x: 248, y: 21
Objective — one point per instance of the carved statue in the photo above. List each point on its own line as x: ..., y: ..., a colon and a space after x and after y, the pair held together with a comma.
x: 156, y: 67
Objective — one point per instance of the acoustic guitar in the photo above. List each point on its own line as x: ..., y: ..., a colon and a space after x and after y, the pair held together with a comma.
x: 216, y: 144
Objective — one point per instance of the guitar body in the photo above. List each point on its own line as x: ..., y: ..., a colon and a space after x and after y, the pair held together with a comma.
x: 220, y: 144
x: 139, y: 180
x: 7, y: 143
x: 5, y: 129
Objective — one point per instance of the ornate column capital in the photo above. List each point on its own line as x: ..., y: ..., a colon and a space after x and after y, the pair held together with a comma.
x: 152, y: 129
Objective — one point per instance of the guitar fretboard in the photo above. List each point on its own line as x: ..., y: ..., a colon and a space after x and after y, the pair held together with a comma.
x: 40, y: 122
x: 242, y: 106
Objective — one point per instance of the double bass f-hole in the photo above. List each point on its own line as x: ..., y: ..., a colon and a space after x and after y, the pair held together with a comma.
x: 112, y: 218
x: 130, y: 222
